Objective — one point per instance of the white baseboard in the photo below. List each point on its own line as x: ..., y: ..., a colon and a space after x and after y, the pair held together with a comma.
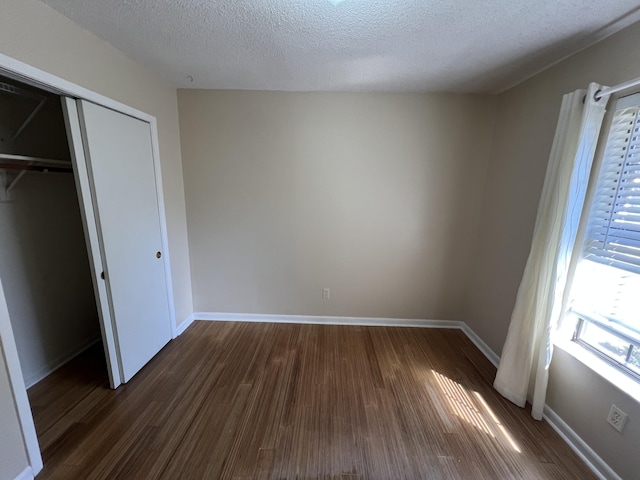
x: 185, y: 324
x: 492, y: 356
x: 584, y: 451
x: 26, y: 474
x: 59, y: 362
x: 319, y: 320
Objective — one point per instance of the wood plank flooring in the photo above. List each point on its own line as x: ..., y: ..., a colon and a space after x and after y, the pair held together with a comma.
x: 246, y: 401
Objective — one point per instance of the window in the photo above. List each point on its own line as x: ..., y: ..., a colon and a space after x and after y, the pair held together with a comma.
x: 606, y: 288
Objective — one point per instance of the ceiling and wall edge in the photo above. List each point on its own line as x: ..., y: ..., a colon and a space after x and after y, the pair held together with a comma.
x: 372, y: 46
x: 600, y: 35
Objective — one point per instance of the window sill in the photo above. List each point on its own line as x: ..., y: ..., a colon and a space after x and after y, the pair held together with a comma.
x: 608, y: 372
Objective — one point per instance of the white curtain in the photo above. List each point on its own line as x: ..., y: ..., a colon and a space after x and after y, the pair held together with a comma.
x: 542, y: 296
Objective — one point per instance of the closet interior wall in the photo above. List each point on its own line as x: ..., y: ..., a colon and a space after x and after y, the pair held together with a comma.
x: 43, y: 256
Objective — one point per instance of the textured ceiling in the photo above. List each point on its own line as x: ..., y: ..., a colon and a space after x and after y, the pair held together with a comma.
x: 381, y: 45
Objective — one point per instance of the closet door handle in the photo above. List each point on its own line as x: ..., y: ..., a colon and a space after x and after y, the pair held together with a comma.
x: 102, y: 275
x: 158, y: 254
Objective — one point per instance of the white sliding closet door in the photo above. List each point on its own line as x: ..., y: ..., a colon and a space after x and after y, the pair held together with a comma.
x: 118, y: 154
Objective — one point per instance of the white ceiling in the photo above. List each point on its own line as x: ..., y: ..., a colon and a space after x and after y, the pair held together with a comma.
x: 382, y: 45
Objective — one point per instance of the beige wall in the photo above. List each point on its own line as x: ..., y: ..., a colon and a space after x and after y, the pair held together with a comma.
x: 33, y: 33
x: 525, y: 125
x: 374, y: 196
x: 48, y: 284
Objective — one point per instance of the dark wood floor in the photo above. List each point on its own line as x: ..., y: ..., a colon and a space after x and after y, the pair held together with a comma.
x: 277, y: 401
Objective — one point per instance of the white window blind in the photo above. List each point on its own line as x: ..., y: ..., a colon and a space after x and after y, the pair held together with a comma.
x: 613, y: 231
x: 606, y: 285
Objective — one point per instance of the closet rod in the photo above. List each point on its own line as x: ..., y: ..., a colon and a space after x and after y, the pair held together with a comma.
x: 34, y: 168
x: 35, y: 160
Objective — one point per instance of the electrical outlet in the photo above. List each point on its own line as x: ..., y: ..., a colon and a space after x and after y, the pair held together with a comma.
x: 617, y: 418
x: 326, y: 293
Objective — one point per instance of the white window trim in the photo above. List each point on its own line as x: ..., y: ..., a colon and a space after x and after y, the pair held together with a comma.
x: 601, y: 367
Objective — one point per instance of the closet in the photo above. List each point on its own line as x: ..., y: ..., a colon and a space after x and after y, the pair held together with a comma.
x: 83, y: 238
x: 43, y: 255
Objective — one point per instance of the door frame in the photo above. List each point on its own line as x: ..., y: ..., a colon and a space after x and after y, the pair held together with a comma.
x: 28, y: 74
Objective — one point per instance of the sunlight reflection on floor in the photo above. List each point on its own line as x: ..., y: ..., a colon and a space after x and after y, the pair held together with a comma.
x: 464, y: 407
